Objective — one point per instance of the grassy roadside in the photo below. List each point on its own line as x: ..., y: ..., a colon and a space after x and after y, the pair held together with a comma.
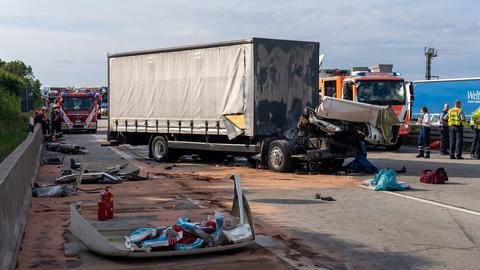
x: 10, y: 140
x: 13, y: 124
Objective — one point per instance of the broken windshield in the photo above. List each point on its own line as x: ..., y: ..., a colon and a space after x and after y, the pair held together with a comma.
x: 386, y: 92
x: 77, y: 103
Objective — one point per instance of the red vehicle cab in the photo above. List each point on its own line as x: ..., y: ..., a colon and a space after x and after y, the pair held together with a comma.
x: 78, y: 111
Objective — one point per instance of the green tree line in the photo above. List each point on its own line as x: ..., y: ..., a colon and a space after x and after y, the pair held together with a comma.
x: 15, y: 78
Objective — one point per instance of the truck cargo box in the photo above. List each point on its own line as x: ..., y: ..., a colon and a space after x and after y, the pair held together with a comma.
x: 434, y: 93
x: 252, y: 87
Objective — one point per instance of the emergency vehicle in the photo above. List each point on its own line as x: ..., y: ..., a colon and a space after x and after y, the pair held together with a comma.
x: 78, y: 110
x: 376, y: 85
x: 52, y: 95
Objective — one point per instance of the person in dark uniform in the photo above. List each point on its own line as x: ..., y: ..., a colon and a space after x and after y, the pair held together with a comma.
x: 475, y: 126
x: 424, y: 136
x: 456, y: 121
x: 55, y: 122
x: 444, y: 135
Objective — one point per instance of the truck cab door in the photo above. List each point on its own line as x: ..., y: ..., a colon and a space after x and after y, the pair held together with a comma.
x: 347, y: 90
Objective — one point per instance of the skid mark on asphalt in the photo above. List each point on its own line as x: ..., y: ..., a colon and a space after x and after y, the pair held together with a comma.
x: 448, y: 206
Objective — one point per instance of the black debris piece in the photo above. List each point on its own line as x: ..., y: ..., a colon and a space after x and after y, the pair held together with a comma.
x: 324, y: 198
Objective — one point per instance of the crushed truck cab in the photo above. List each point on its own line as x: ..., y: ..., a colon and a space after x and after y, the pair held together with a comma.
x: 256, y: 98
x: 376, y: 85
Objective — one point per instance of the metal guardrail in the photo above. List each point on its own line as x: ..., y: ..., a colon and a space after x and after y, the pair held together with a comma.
x: 435, y: 133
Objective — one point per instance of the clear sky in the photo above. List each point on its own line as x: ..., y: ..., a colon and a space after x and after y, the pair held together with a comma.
x: 66, y: 42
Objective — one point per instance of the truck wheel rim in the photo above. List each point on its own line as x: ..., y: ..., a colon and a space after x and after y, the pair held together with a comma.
x: 276, y: 157
x: 159, y: 150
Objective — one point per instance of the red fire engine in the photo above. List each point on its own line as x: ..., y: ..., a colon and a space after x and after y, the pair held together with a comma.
x: 78, y: 110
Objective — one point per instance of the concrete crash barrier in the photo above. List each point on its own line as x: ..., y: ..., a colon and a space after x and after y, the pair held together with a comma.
x: 17, y: 172
x: 111, y: 243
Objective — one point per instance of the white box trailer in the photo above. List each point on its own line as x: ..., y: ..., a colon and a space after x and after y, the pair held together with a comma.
x: 230, y: 97
x: 258, y: 85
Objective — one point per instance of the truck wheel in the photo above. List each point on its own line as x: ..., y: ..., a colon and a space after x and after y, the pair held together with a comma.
x: 396, y: 146
x: 279, y: 156
x: 159, y: 148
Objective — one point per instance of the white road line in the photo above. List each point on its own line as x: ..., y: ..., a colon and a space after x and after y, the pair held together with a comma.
x: 460, y: 209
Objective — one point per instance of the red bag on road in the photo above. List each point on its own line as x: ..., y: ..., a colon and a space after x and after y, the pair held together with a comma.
x: 435, y: 145
x: 438, y: 176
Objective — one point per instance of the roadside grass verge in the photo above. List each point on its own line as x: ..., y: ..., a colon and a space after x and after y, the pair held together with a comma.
x: 10, y: 140
x: 13, y: 124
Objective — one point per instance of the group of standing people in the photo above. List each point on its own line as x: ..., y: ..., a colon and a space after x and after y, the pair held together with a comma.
x: 50, y: 122
x: 453, y: 122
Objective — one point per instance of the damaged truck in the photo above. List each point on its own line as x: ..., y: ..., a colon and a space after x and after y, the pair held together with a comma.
x: 256, y: 98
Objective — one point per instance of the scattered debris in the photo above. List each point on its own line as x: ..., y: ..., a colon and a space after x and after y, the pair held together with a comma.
x: 324, y: 198
x: 402, y: 170
x: 186, y: 235
x: 133, y: 176
x: 74, y: 165
x: 65, y: 148
x: 89, y: 178
x: 385, y: 180
x: 53, y: 161
x: 111, y: 175
x: 439, y: 176
x: 170, y: 167
x: 49, y: 191
x: 218, y: 232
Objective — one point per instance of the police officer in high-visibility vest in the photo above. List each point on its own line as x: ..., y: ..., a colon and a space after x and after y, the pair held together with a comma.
x: 475, y: 126
x: 456, y: 121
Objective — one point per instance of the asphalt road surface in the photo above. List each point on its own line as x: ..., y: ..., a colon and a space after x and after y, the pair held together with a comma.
x: 426, y: 227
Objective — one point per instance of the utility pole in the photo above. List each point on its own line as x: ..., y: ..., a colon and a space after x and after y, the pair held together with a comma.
x: 429, y: 54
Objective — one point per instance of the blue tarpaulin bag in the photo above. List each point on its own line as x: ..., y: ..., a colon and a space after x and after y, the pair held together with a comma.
x: 385, y: 180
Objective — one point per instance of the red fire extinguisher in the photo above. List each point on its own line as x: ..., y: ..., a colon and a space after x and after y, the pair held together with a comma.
x: 105, y: 204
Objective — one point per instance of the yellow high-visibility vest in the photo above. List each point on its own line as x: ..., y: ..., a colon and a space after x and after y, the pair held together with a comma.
x: 475, y: 118
x: 454, y: 117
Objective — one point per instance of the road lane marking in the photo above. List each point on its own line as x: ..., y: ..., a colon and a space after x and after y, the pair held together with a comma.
x: 448, y: 206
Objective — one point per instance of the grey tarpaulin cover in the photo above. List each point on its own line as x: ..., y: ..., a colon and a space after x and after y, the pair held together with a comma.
x: 266, y: 82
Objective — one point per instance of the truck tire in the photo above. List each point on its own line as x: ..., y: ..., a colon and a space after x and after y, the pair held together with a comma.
x: 396, y: 146
x: 279, y: 156
x: 159, y: 149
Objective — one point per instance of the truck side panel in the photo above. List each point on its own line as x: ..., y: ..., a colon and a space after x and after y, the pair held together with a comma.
x: 185, y: 91
x: 286, y: 80
x: 433, y: 94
